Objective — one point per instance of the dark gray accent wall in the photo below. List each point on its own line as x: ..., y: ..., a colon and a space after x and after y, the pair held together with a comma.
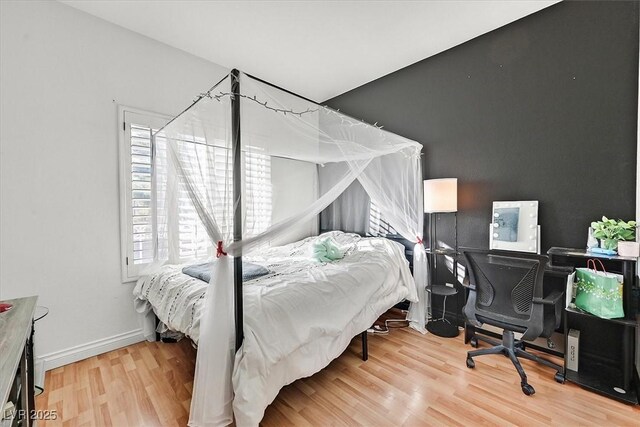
x: 542, y: 109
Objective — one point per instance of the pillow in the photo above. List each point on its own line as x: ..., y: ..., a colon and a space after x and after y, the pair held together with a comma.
x: 326, y: 250
x: 202, y: 271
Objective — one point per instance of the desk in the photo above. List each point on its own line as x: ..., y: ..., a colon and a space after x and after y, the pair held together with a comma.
x: 16, y: 360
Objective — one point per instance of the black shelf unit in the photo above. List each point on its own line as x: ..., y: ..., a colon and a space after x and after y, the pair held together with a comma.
x: 601, y: 377
x: 608, y: 347
x: 446, y: 262
x: 622, y: 321
x: 443, y: 256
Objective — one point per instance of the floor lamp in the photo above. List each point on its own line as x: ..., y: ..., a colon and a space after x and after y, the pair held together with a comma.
x: 441, y: 196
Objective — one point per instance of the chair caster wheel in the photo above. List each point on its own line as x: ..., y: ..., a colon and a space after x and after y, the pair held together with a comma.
x: 474, y: 342
x: 527, y: 389
x: 470, y: 363
x: 559, y: 377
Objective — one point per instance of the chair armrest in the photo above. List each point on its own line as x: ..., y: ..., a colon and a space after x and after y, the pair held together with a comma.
x: 551, y: 299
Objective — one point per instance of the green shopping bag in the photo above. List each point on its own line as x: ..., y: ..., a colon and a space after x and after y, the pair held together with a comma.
x: 599, y: 292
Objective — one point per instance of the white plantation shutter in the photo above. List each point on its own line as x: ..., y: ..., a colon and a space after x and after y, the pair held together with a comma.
x: 258, y: 192
x: 141, y: 210
x: 160, y: 168
x: 145, y: 222
x: 137, y: 214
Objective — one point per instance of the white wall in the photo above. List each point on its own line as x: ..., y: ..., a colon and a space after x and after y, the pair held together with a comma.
x: 63, y: 72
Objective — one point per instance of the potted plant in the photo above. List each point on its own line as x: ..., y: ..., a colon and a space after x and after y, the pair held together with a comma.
x: 611, y: 231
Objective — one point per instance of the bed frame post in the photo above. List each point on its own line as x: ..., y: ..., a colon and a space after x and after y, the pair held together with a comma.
x: 365, y: 346
x: 236, y: 152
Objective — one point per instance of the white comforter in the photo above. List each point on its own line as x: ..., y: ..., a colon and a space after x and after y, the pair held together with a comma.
x: 303, y: 314
x: 296, y: 323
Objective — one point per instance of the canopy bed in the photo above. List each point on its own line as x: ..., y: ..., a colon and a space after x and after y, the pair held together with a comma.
x: 255, y: 338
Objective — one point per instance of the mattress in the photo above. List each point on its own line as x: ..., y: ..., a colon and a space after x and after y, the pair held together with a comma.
x: 298, y: 317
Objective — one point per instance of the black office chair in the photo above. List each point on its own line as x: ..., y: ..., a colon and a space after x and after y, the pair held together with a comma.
x: 506, y: 292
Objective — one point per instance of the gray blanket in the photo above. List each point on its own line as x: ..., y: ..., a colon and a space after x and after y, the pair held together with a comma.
x: 203, y: 271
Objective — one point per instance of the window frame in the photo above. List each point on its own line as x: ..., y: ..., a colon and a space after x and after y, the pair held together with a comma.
x: 130, y: 272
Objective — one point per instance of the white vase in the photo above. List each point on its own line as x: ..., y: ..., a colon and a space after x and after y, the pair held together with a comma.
x: 629, y: 249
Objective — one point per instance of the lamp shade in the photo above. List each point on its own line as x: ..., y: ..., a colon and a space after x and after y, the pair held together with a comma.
x: 441, y: 195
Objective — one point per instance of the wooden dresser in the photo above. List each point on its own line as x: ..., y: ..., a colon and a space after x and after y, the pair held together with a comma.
x: 16, y: 361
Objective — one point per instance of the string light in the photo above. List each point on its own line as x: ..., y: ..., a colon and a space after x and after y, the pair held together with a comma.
x: 343, y: 119
x: 221, y: 95
x: 353, y: 122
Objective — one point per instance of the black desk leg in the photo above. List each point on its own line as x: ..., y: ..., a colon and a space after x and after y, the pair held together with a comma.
x: 365, y: 347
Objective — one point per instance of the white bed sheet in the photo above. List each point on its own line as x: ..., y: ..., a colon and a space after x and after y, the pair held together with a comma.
x: 297, y: 318
x: 176, y: 298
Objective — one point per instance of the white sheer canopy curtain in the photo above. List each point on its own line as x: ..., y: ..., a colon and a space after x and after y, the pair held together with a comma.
x: 194, y: 153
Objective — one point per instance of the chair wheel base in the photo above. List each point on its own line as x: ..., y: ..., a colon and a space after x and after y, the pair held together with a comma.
x: 474, y: 342
x: 559, y: 377
x: 470, y: 363
x: 527, y: 389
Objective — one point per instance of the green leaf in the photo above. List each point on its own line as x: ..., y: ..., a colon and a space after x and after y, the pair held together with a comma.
x: 611, y: 229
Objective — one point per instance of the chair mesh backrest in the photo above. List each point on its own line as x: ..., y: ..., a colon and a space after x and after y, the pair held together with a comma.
x: 522, y: 294
x: 484, y: 288
x: 505, y: 284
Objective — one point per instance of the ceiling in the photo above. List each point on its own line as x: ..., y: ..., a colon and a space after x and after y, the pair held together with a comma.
x: 318, y: 49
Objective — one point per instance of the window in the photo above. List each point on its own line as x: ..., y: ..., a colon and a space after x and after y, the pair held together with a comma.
x: 193, y: 242
x: 377, y: 225
x: 137, y: 215
x: 140, y: 193
x: 258, y: 192
x: 146, y: 208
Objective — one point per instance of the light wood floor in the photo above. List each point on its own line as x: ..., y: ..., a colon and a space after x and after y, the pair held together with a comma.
x: 409, y: 380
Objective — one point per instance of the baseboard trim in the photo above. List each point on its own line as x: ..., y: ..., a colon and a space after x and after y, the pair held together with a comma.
x: 90, y: 349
